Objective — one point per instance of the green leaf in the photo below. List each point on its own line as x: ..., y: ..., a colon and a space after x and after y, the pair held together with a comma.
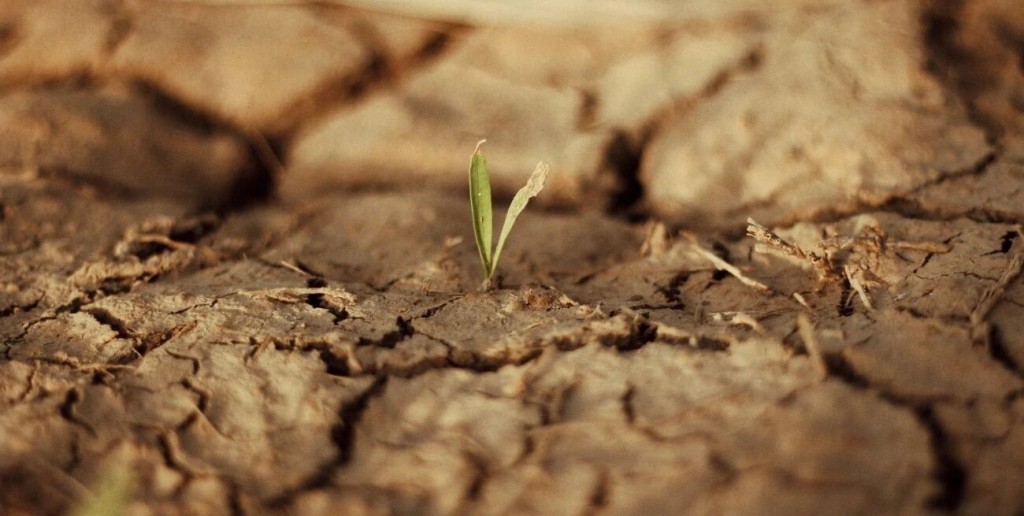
x: 523, y: 196
x: 480, y: 205
x: 111, y: 497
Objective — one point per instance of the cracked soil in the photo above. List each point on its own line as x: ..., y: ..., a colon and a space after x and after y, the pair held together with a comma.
x: 777, y: 267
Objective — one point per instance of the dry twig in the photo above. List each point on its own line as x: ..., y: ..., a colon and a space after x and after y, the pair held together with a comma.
x: 723, y: 265
x: 990, y: 298
x: 772, y: 242
x: 806, y: 329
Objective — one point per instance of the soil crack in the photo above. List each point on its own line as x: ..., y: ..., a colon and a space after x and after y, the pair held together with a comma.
x: 107, y: 319
x: 343, y: 435
x: 599, y: 493
x: 67, y: 411
x: 622, y: 160
x: 403, y: 330
x: 949, y: 474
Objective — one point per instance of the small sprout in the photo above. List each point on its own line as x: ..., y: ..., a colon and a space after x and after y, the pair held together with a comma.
x: 480, y: 205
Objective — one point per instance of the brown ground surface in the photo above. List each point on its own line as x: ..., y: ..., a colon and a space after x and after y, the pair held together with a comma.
x: 237, y: 261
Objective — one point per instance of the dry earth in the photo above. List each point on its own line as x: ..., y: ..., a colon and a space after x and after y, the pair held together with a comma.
x: 237, y: 265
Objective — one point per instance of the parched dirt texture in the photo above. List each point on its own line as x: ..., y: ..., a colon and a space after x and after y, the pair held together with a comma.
x: 237, y: 262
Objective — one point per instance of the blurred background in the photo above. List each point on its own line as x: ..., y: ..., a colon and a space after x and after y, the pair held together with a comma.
x: 700, y: 112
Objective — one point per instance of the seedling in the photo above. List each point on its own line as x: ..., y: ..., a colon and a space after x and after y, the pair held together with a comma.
x: 480, y: 205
